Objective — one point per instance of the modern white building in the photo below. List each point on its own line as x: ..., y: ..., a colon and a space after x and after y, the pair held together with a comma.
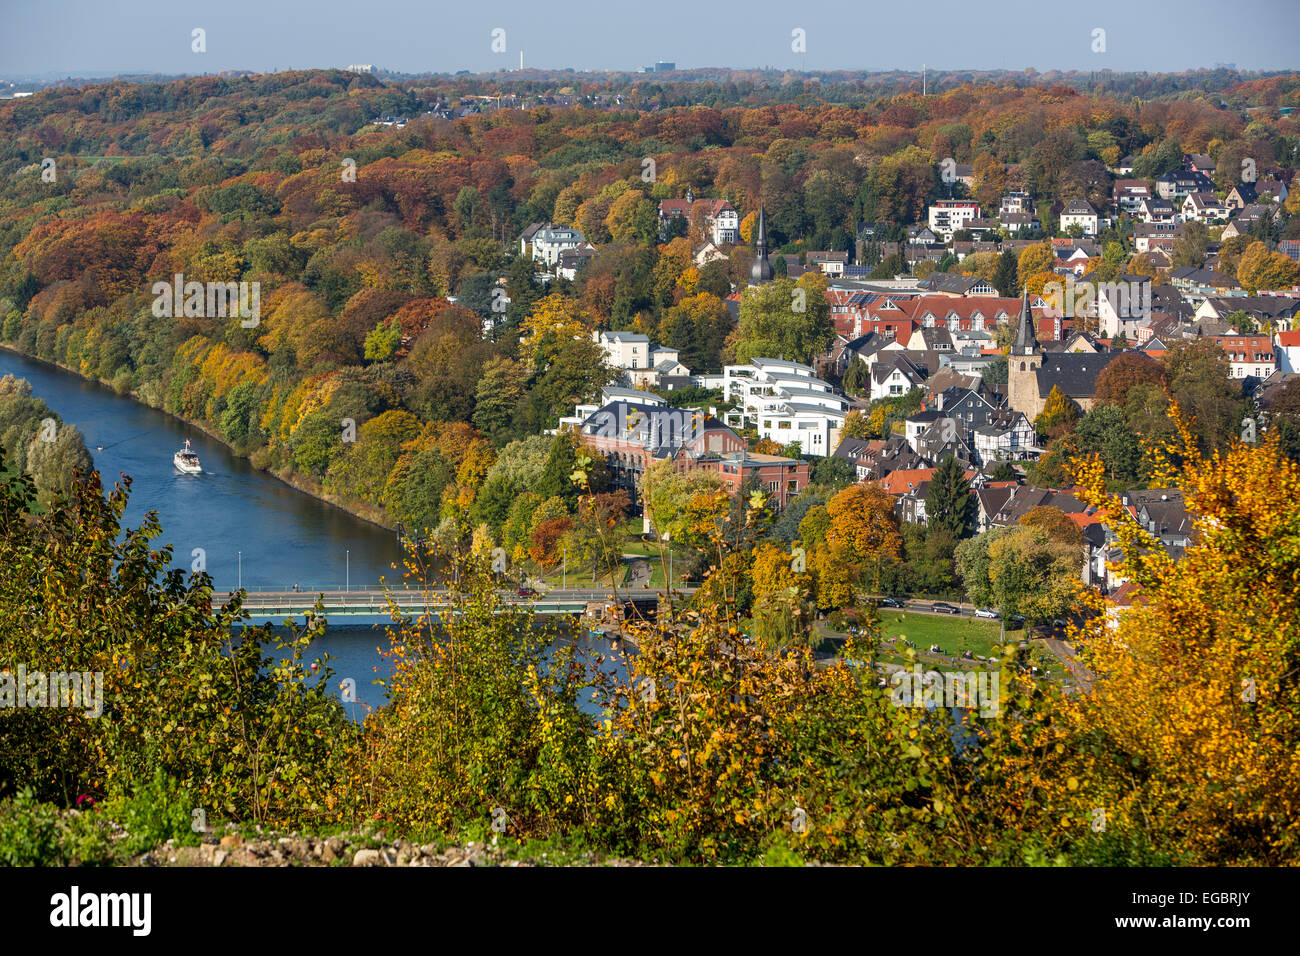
x: 786, y: 402
x: 949, y: 215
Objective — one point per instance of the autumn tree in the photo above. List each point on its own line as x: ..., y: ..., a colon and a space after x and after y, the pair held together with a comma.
x: 1261, y: 269
x: 1034, y: 260
x: 1059, y: 415
x: 1020, y: 570
x: 1124, y: 372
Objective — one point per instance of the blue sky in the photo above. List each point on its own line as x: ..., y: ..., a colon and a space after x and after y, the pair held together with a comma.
x: 71, y: 37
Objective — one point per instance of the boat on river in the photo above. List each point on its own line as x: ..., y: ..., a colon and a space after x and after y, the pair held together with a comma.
x: 186, y: 461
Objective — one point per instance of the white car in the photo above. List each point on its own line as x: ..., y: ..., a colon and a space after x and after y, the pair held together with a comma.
x: 987, y: 612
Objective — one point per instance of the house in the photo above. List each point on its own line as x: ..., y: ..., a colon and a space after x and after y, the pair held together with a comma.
x: 549, y: 241
x: 624, y: 350
x: 830, y: 263
x: 1241, y: 195
x: 1015, y: 201
x: 930, y: 339
x: 1079, y: 212
x: 1018, y: 222
x: 1250, y: 356
x: 718, y: 217
x: 1177, y: 185
x: 1163, y: 512
x: 861, y: 454
x: 526, y: 237
x: 1145, y: 232
x: 1129, y: 194
x: 1199, y: 163
x: 1154, y: 209
x: 1271, y: 189
x: 1278, y: 310
x: 708, y: 253
x: 1204, y: 207
x: 1007, y: 435
x: 569, y: 261
x: 1286, y: 348
x: 949, y: 215
x: 895, y: 377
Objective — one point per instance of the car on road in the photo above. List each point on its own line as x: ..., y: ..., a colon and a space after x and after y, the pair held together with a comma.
x: 987, y: 612
x: 943, y: 607
x: 889, y: 602
x: 526, y: 591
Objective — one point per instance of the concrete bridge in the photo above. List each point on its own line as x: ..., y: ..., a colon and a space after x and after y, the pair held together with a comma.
x: 367, y: 602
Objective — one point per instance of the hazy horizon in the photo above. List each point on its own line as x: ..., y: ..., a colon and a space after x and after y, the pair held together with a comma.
x: 86, y: 38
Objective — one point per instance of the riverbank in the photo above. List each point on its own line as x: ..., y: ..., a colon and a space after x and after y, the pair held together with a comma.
x: 356, y: 509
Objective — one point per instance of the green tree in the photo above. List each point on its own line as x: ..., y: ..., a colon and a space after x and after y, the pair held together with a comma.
x: 949, y: 504
x: 784, y: 319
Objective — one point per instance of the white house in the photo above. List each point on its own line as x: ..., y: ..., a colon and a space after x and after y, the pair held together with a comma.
x: 1079, y: 212
x: 624, y: 350
x: 720, y: 217
x: 549, y: 241
x: 1204, y: 207
x: 1248, y: 355
x: 1286, y: 348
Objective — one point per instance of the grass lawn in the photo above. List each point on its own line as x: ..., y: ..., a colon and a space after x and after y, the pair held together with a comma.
x: 953, y: 634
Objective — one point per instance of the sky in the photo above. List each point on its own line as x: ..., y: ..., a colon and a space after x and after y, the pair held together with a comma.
x: 60, y: 38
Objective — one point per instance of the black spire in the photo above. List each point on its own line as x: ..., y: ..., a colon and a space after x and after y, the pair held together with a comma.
x: 1026, y: 342
x: 761, y: 271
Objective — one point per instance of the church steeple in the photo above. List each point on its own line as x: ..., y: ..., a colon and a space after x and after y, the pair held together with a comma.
x: 1026, y: 342
x: 761, y: 271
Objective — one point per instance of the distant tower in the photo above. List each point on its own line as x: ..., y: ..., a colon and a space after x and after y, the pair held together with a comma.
x: 761, y: 271
x: 1023, y: 363
x: 690, y: 196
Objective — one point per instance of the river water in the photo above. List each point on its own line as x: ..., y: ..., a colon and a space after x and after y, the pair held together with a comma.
x: 252, y: 528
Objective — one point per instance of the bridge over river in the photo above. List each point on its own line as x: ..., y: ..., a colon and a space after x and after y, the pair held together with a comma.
x: 370, y: 602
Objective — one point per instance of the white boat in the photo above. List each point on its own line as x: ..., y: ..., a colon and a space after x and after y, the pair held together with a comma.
x: 185, y: 460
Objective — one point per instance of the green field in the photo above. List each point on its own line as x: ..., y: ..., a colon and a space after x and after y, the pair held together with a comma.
x: 953, y: 634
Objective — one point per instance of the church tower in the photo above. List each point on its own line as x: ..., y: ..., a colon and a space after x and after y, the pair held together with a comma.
x: 1023, y: 363
x: 761, y: 270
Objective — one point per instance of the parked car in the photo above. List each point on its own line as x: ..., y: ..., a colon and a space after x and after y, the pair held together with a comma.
x: 889, y: 602
x: 987, y: 612
x: 943, y: 607
x: 1060, y: 622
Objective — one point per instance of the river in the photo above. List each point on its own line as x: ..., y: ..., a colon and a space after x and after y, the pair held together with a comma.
x: 253, y: 529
